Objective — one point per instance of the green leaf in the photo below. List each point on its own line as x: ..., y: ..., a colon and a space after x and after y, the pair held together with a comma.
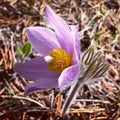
x: 26, y: 48
x: 95, y: 64
x: 19, y: 50
x: 88, y: 56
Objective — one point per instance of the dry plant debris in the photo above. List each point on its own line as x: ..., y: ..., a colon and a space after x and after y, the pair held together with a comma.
x: 99, y: 23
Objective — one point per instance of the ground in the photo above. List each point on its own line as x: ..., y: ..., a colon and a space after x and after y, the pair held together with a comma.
x: 99, y: 23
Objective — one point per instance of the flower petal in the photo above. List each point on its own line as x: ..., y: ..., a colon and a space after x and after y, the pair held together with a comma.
x: 61, y: 28
x: 42, y: 83
x: 68, y: 75
x: 42, y: 39
x: 35, y: 69
x: 76, y: 42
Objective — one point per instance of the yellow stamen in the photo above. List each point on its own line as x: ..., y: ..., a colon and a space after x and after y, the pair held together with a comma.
x: 61, y: 60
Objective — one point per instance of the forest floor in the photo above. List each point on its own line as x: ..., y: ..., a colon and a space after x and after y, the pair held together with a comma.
x: 99, y: 22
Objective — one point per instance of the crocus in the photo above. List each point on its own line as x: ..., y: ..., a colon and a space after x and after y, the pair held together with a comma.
x: 59, y: 48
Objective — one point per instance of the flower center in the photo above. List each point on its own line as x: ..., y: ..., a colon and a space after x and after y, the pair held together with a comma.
x: 61, y: 60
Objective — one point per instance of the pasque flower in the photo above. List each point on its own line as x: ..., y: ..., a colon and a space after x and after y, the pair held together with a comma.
x: 58, y: 47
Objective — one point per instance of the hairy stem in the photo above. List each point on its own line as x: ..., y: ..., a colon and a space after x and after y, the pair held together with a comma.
x: 72, y: 95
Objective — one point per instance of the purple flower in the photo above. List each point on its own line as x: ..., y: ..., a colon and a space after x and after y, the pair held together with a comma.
x: 58, y: 47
